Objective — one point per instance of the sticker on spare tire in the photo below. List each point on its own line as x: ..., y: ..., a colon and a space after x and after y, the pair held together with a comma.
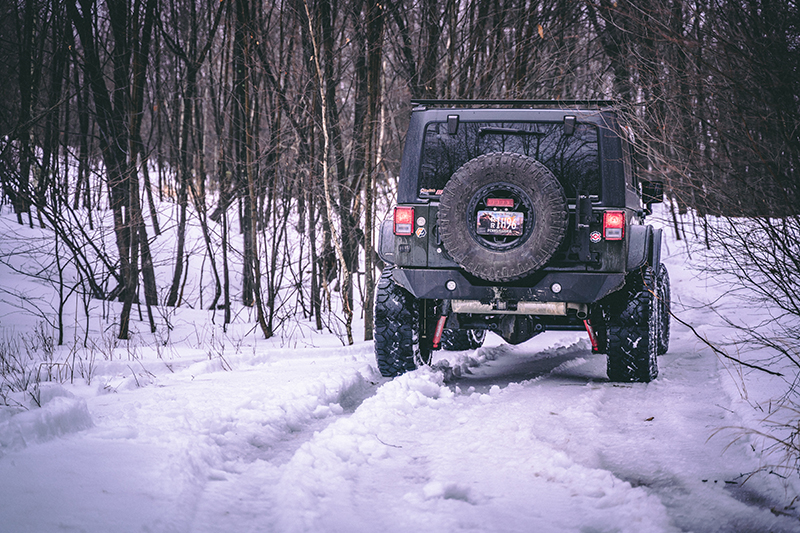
x: 500, y: 223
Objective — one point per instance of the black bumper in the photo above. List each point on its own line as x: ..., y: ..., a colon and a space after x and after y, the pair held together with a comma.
x: 577, y: 287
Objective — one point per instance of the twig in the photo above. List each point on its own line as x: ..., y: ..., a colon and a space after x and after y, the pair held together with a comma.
x: 387, y: 444
x: 714, y: 348
x: 720, y: 352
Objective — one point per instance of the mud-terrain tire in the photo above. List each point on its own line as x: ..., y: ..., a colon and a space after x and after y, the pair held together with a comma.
x: 462, y: 339
x: 632, y: 330
x: 396, y: 327
x: 662, y: 282
x: 536, y: 193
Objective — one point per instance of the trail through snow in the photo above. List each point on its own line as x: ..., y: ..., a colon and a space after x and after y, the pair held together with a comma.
x: 530, y: 439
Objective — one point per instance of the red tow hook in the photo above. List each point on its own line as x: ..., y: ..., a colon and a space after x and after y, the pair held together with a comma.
x: 437, y: 335
x: 592, y: 337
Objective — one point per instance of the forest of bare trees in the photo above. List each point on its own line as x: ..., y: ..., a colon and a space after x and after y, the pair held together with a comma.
x: 283, y: 122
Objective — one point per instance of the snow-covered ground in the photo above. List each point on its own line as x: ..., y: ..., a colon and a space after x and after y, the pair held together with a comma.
x: 217, y: 432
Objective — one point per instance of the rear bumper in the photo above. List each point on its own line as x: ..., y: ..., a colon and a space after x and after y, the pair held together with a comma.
x: 576, y: 287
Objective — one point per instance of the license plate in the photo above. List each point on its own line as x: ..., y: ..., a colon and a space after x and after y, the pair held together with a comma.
x: 500, y: 223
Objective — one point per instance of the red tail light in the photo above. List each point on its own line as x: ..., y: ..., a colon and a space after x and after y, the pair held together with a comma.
x: 403, y: 220
x: 614, y: 225
x: 499, y: 202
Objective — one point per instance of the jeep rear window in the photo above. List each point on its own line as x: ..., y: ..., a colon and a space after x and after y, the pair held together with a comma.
x: 571, y: 158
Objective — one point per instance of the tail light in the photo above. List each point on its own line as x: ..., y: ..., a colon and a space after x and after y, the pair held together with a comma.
x: 499, y: 202
x: 403, y: 220
x: 614, y: 225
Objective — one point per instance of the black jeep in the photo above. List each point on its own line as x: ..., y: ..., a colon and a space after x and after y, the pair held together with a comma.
x: 518, y: 217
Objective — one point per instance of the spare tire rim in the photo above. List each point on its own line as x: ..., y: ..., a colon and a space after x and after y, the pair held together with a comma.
x: 504, y: 238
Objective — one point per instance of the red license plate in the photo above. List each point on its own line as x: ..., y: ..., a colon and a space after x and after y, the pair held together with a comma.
x: 500, y: 223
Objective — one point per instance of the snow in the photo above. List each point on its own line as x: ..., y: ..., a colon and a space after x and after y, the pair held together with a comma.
x: 225, y: 431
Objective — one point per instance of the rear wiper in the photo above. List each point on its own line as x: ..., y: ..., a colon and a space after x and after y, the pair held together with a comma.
x: 488, y: 130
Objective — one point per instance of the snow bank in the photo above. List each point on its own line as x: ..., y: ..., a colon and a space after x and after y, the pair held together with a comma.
x: 60, y: 414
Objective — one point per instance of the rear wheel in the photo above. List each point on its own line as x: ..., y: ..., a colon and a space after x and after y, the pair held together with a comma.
x: 396, y: 327
x: 632, y: 330
x: 662, y: 282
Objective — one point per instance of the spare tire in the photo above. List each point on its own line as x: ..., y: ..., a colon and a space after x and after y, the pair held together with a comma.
x: 502, y: 216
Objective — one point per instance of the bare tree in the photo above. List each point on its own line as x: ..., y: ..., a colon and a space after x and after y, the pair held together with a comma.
x: 118, y: 115
x: 192, y: 54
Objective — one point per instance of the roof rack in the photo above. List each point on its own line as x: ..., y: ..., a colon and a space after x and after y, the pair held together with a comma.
x: 515, y: 103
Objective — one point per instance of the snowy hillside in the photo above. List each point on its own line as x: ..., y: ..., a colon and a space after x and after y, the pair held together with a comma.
x: 227, y: 432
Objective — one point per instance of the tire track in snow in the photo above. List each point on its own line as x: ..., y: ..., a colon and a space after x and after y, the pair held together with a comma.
x: 243, y: 492
x: 284, y: 422
x: 662, y: 437
x: 238, y: 493
x: 672, y: 449
x: 225, y: 434
x: 517, y: 439
x: 420, y: 455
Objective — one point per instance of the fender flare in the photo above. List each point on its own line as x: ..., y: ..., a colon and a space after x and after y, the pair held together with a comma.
x: 639, y: 240
x: 654, y: 257
x: 644, y: 247
x: 386, y: 241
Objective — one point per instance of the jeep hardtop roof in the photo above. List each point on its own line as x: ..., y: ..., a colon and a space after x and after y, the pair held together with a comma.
x: 515, y: 103
x: 602, y: 113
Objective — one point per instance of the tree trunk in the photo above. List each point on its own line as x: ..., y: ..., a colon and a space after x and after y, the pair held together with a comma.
x: 375, y: 24
x: 322, y: 83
